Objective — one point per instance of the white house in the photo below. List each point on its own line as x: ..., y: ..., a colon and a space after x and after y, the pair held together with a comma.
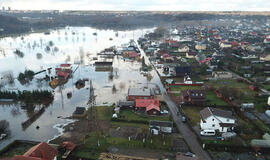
x: 217, y: 119
x: 222, y: 75
x: 225, y: 45
x: 183, y: 49
x: 200, y: 46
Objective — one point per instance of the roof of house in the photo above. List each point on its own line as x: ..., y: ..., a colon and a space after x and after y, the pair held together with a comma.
x: 139, y: 92
x: 79, y: 110
x: 149, y: 104
x: 42, y: 151
x: 62, y: 74
x: 161, y: 123
x: 65, y: 65
x: 209, y: 111
x: 197, y: 94
x: 183, y: 70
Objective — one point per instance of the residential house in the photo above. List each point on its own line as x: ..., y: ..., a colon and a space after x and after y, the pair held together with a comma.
x: 222, y: 75
x: 200, y: 46
x: 160, y: 126
x: 194, y: 97
x: 79, y: 112
x: 183, y: 49
x: 217, y: 119
x: 182, y: 71
x: 139, y: 93
x: 191, y: 54
x: 265, y: 57
x: 65, y: 66
x: 266, y: 40
x: 225, y: 45
x: 42, y: 151
x: 150, y: 106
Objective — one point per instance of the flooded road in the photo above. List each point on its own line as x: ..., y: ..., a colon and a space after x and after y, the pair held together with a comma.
x: 69, y: 45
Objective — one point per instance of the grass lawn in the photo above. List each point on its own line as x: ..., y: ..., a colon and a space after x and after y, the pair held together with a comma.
x: 193, y: 114
x: 102, y: 112
x: 91, y: 150
x: 211, y: 99
x: 183, y: 88
x: 232, y: 83
x: 262, y: 126
x: 129, y: 115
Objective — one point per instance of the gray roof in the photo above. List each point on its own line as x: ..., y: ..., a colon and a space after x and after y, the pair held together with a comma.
x: 208, y: 111
x: 139, y: 92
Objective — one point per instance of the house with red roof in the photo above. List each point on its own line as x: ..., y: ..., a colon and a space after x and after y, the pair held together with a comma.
x: 66, y: 67
x: 151, y: 106
x: 42, y: 151
x: 62, y: 75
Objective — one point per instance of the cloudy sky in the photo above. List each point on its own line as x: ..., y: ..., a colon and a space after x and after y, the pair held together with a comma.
x: 161, y: 5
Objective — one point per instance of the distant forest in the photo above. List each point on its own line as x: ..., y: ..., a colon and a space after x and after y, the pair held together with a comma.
x: 13, y: 23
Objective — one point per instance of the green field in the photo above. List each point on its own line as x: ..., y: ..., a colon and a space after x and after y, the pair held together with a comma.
x: 91, y: 150
x: 183, y: 88
x: 193, y: 114
x: 130, y: 116
x: 212, y: 99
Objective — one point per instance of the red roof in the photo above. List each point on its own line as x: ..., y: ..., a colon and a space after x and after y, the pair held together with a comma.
x: 152, y: 106
x: 149, y: 104
x: 165, y: 55
x: 235, y: 43
x: 170, y: 41
x: 206, y: 60
x: 62, y: 74
x: 65, y: 65
x: 42, y: 151
x: 133, y: 54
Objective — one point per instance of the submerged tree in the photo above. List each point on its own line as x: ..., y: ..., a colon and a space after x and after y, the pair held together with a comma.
x: 4, y: 126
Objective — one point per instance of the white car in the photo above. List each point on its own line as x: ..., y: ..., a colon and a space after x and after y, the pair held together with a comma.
x: 208, y: 132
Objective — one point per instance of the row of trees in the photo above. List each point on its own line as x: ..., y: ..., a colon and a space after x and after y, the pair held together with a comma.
x: 36, y: 96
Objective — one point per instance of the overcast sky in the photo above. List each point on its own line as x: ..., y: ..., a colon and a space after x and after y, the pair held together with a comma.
x: 161, y: 5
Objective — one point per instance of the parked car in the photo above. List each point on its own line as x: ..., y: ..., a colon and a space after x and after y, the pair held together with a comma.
x: 208, y: 132
x: 184, y: 119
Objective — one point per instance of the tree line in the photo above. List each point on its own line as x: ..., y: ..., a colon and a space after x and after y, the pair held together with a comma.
x: 28, y: 97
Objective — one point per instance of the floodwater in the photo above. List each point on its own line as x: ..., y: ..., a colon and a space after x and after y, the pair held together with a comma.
x: 73, y: 44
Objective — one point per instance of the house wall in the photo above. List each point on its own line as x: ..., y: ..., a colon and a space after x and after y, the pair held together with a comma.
x: 153, y: 112
x: 212, y: 123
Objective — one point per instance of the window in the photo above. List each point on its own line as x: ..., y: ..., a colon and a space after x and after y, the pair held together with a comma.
x: 213, y: 125
x: 213, y: 119
x: 228, y: 120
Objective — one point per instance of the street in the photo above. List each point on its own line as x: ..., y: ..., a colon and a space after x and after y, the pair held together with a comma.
x: 188, y: 134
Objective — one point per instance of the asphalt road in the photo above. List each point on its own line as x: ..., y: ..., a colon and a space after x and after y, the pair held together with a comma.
x: 186, y: 132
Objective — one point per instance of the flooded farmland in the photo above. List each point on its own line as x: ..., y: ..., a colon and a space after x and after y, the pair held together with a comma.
x: 77, y: 46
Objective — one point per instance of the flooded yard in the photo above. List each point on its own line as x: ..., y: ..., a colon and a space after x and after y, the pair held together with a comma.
x: 77, y: 46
